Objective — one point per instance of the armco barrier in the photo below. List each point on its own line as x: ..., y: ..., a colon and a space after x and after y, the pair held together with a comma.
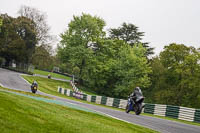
x: 114, y: 102
x: 197, y: 115
x: 182, y: 113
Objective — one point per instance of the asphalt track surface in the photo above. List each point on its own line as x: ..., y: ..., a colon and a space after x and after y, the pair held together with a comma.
x: 13, y: 80
x: 51, y: 78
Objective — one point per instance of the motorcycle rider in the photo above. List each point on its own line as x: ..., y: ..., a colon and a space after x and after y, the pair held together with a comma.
x: 135, y: 101
x: 34, y: 84
x: 136, y: 93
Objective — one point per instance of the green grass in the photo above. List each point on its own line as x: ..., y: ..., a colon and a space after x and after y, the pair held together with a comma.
x: 26, y: 93
x: 172, y: 119
x: 87, y: 91
x: 22, y: 114
x: 50, y: 86
x: 54, y: 75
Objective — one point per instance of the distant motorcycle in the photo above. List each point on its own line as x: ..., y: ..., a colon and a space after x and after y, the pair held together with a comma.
x: 34, y: 87
x: 135, y: 105
x: 49, y: 76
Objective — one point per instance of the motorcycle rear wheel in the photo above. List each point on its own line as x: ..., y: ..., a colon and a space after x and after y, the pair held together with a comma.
x: 138, y: 109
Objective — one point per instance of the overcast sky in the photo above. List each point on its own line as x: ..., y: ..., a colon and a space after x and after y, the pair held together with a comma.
x: 163, y: 21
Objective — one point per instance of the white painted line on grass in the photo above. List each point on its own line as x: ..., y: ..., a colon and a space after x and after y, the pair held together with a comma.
x: 1, y: 85
x: 24, y: 79
x: 113, y: 116
x: 149, y: 127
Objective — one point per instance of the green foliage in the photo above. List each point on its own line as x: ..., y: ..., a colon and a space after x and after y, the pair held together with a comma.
x: 176, y: 74
x: 39, y: 18
x: 53, y: 75
x: 42, y: 59
x: 110, y: 67
x: 1, y: 23
x: 83, y: 31
x: 17, y: 39
x: 20, y: 70
x: 131, y: 35
x: 26, y: 31
x: 76, y: 71
x: 131, y: 70
x: 19, y: 36
x: 46, y: 85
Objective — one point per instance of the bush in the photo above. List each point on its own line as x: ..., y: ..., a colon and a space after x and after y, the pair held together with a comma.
x: 19, y: 70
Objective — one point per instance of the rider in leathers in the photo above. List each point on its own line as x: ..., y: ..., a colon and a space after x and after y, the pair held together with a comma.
x: 136, y: 93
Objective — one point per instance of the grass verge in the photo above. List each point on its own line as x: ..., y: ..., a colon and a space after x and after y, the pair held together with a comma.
x: 51, y: 88
x: 21, y: 114
x: 47, y: 85
x: 172, y: 119
x: 54, y: 75
x: 26, y: 93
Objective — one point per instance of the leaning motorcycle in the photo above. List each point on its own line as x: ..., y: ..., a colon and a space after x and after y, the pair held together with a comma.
x: 136, y: 105
x: 34, y: 88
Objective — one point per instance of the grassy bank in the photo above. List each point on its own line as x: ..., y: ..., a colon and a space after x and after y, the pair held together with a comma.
x: 54, y: 75
x: 172, y: 119
x: 26, y: 93
x: 21, y: 114
x: 48, y: 85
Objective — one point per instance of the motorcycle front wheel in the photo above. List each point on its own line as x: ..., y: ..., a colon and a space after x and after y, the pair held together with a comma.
x: 33, y: 91
x: 127, y: 108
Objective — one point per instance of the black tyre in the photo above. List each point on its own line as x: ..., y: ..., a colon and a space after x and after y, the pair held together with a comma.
x: 138, y: 108
x: 127, y: 108
x: 33, y: 91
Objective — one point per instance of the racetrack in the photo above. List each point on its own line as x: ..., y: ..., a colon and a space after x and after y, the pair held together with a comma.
x: 13, y: 80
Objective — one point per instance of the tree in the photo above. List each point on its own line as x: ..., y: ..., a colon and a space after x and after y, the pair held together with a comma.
x: 130, y: 34
x: 12, y: 47
x: 39, y: 19
x: 76, y: 42
x: 128, y: 69
x: 17, y: 39
x: 1, y: 23
x: 178, y: 82
x: 42, y: 58
x: 108, y: 66
x: 25, y: 28
x: 156, y: 92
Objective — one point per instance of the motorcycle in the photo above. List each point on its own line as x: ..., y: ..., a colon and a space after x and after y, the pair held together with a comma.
x: 34, y: 88
x: 49, y: 76
x: 135, y: 105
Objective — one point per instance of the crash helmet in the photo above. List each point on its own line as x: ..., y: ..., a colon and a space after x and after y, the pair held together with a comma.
x: 137, y: 88
x: 34, y: 82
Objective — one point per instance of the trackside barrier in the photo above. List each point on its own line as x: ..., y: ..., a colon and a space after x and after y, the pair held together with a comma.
x: 182, y: 113
x: 114, y: 102
x: 177, y: 112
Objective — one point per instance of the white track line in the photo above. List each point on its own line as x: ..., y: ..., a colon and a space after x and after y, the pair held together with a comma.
x: 92, y: 109
x: 24, y: 79
x: 112, y: 116
x: 1, y: 85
